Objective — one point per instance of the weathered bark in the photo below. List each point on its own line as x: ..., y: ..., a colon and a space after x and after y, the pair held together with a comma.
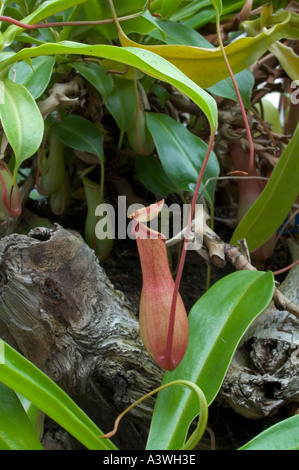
x: 263, y: 376
x: 58, y: 308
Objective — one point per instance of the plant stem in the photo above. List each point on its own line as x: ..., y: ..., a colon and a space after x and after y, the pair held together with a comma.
x: 287, y: 268
x: 8, y: 19
x: 203, y: 415
x: 184, y: 250
x: 244, y: 115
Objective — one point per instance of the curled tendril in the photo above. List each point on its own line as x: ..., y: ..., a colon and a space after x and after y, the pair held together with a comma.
x: 197, y: 434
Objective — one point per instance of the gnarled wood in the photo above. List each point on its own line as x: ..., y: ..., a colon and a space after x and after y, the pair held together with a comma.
x: 58, y: 308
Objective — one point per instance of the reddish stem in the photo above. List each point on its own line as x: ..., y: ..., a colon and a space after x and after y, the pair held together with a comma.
x: 283, y: 270
x: 244, y: 115
x: 184, y: 250
x: 8, y: 19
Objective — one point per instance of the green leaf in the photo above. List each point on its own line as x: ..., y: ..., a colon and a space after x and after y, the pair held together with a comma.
x: 144, y: 24
x: 22, y: 376
x: 179, y: 33
x: 273, y: 205
x: 144, y: 60
x: 226, y: 89
x: 153, y: 177
x: 121, y: 103
x: 80, y: 134
x: 96, y: 75
x: 217, y: 322
x: 281, y: 436
x: 287, y: 58
x: 207, y: 66
x: 270, y: 113
x: 22, y: 122
x: 169, y: 7
x: 35, y: 76
x: 16, y: 431
x: 190, y: 9
x: 181, y: 153
x: 230, y: 7
x: 36, y: 416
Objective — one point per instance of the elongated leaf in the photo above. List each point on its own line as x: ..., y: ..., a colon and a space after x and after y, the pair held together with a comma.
x: 96, y: 75
x: 217, y: 322
x: 22, y: 122
x: 16, y: 431
x: 287, y: 58
x: 36, y: 76
x: 190, y: 9
x: 35, y: 416
x: 169, y: 7
x: 22, y: 376
x: 273, y: 205
x: 207, y: 66
x: 80, y: 134
x: 179, y: 33
x: 281, y: 436
x: 142, y: 59
x: 181, y: 153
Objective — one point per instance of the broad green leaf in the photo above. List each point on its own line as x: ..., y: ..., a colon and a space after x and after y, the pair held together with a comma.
x: 281, y: 436
x: 181, y: 153
x: 226, y: 89
x: 153, y: 177
x: 141, y: 59
x: 16, y: 431
x: 273, y: 205
x: 179, y: 33
x: 45, y: 10
x: 22, y: 122
x: 80, y: 134
x: 96, y: 75
x: 217, y: 322
x: 205, y: 67
x: 121, y: 103
x: 22, y: 376
x: 35, y: 76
